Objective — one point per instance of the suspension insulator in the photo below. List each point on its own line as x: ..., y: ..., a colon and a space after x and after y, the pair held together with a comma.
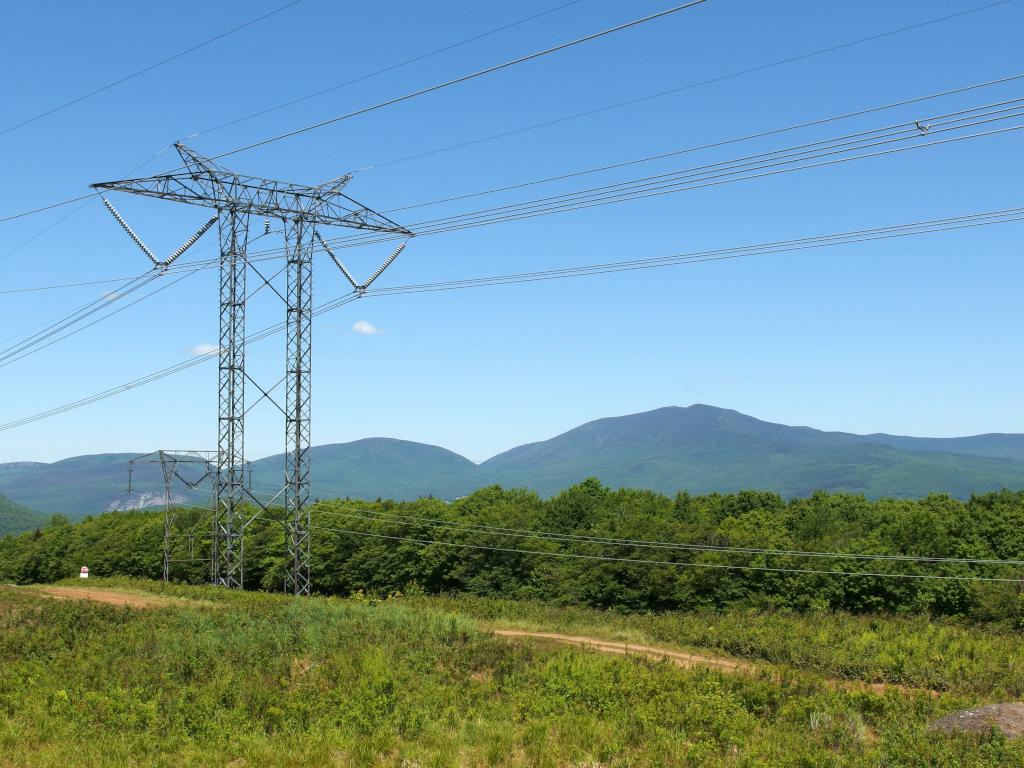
x: 337, y: 261
x: 188, y: 243
x: 382, y: 267
x: 266, y: 226
x: 135, y: 238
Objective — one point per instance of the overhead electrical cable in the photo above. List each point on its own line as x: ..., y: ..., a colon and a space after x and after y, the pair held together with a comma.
x: 80, y: 314
x: 381, y: 516
x: 52, y: 225
x: 50, y: 207
x: 156, y: 375
x: 630, y: 102
x: 909, y: 126
x: 906, y: 126
x: 85, y: 201
x: 670, y: 563
x: 77, y: 327
x: 680, y: 89
x: 149, y: 68
x: 125, y: 281
x: 924, y: 227
x: 390, y: 68
x: 70, y: 324
x: 970, y: 222
x: 840, y: 149
x: 58, y: 286
x: 800, y: 153
x: 462, y: 79
x: 717, y: 174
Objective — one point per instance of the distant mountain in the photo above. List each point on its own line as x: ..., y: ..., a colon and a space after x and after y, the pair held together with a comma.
x: 699, y: 449
x: 703, y: 449
x: 994, y: 445
x: 15, y: 518
x: 81, y: 485
x: 378, y: 466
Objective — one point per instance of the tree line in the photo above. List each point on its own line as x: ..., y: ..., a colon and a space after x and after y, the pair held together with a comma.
x: 591, y: 545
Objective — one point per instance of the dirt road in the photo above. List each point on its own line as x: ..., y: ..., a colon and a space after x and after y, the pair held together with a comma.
x: 678, y: 658
x: 108, y: 596
x: 693, y: 660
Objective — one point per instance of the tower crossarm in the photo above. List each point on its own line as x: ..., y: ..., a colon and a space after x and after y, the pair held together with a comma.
x: 204, y: 183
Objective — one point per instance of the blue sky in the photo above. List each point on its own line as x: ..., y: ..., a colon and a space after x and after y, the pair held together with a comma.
x: 914, y: 336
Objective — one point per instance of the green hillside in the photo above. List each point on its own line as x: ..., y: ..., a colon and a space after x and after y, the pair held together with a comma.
x: 378, y: 467
x: 77, y: 486
x: 700, y: 449
x: 14, y: 518
x: 703, y: 449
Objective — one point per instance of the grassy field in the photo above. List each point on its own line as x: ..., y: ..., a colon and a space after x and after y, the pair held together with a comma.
x: 210, y: 678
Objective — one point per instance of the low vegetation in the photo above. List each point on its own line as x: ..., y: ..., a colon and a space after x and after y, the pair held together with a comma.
x: 220, y: 678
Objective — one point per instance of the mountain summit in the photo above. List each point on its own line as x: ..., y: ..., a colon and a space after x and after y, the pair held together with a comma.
x: 699, y: 449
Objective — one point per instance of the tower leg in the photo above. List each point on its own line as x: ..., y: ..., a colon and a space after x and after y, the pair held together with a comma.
x: 167, y: 468
x: 299, y: 248
x: 226, y: 568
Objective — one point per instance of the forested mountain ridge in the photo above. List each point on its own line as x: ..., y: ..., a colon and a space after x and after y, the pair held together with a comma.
x: 700, y: 449
x: 15, y: 518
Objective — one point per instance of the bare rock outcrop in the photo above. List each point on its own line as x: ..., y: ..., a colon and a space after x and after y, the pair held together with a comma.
x: 1007, y: 718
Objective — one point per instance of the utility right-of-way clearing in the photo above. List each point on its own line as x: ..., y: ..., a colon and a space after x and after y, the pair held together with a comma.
x: 684, y: 659
x: 691, y: 660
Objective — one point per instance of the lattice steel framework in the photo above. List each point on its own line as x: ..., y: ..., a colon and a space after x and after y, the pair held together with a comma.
x: 226, y: 567
x: 299, y: 247
x: 169, y: 462
x: 301, y: 208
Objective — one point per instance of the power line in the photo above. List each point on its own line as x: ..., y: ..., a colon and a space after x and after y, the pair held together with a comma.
x: 910, y: 126
x: 775, y: 162
x: 53, y: 321
x: 859, y: 236
x: 680, y: 89
x: 144, y: 70
x: 156, y: 375
x: 32, y: 343
x: 847, y: 143
x: 50, y: 207
x: 969, y: 222
x: 671, y: 563
x: 925, y: 227
x: 38, y: 345
x: 389, y: 68
x: 44, y: 230
x: 57, y: 286
x: 678, y: 181
x: 79, y: 314
x: 382, y: 516
x: 631, y: 101
x: 726, y: 142
x: 462, y: 79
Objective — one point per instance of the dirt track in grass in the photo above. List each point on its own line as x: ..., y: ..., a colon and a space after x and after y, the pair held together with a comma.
x: 691, y: 660
x: 108, y: 596
x: 682, y: 659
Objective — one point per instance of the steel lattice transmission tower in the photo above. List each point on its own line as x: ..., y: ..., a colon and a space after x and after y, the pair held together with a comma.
x: 302, y: 209
x: 169, y: 462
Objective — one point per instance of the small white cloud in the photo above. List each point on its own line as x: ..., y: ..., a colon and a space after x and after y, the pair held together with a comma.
x: 365, y: 328
x: 203, y: 349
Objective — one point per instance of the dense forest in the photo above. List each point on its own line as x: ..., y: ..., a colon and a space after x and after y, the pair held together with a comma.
x: 583, y: 545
